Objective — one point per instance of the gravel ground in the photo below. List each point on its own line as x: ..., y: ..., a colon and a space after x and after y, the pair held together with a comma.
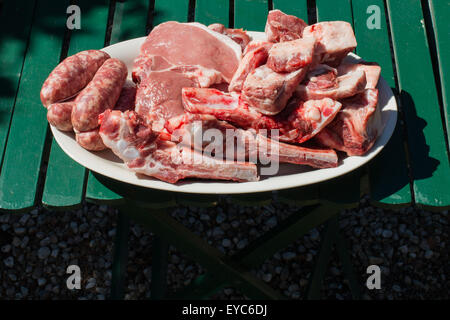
x: 410, y: 246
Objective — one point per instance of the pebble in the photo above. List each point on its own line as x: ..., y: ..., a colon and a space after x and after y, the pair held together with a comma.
x: 289, y: 255
x: 403, y: 249
x: 9, y: 262
x: 375, y: 260
x: 267, y: 277
x: 43, y: 253
x: 6, y: 248
x: 387, y: 233
x: 91, y: 283
x: 428, y: 254
x: 272, y: 222
x: 226, y: 243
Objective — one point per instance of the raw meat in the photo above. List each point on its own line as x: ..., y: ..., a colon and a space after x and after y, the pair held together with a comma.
x: 71, y: 75
x: 282, y: 27
x: 191, y: 129
x: 344, y: 86
x: 356, y: 127
x: 335, y: 39
x: 59, y: 115
x: 127, y: 97
x: 250, y: 62
x: 90, y: 140
x: 237, y: 35
x: 254, y: 44
x: 291, y: 55
x: 299, y: 122
x: 268, y: 91
x: 100, y: 94
x: 190, y: 44
x: 371, y: 69
x: 145, y: 152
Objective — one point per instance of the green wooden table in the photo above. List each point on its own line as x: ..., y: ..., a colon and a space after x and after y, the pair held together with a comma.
x: 413, y: 169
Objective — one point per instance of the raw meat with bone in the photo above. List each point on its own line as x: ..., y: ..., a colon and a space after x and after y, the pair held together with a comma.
x: 268, y: 91
x: 291, y: 55
x: 282, y: 27
x: 190, y: 44
x: 318, y: 86
x: 253, y: 59
x: 237, y: 35
x: 145, y: 152
x: 371, y: 69
x: 299, y: 122
x: 335, y: 39
x: 250, y: 146
x: 356, y: 127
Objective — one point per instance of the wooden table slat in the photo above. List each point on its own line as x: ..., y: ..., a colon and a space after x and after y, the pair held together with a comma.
x: 388, y: 173
x: 13, y: 44
x: 419, y: 101
x: 64, y: 184
x: 250, y: 15
x: 23, y: 155
x: 299, y: 8
x: 176, y: 10
x: 130, y: 19
x: 440, y: 13
x: 208, y: 12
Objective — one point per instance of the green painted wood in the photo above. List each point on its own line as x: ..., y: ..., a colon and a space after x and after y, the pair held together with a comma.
x: 345, y: 189
x: 303, y: 196
x: 440, y: 13
x: 388, y: 173
x: 208, y: 12
x: 23, y: 154
x: 200, y: 288
x: 253, y: 199
x: 129, y: 21
x: 64, y: 184
x: 176, y: 10
x: 198, y: 200
x: 160, y: 250
x: 330, y: 10
x: 250, y: 14
x: 13, y: 43
x: 298, y: 8
x: 429, y: 160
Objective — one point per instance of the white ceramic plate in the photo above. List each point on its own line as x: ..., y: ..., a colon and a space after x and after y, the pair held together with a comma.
x: 289, y: 176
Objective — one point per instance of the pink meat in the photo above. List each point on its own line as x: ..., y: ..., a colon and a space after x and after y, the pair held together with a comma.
x: 299, y: 122
x: 371, y: 69
x: 250, y: 62
x: 100, y: 94
x: 127, y: 97
x: 59, y: 115
x: 190, y: 44
x: 291, y: 55
x: 268, y: 91
x: 145, y: 152
x: 71, y: 75
x: 90, y: 140
x: 335, y: 39
x: 282, y: 27
x: 356, y: 127
x: 243, y: 144
x: 237, y: 35
x: 344, y: 86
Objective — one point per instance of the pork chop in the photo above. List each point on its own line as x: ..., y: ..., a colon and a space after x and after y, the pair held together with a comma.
x: 291, y: 55
x: 146, y: 152
x: 371, y: 69
x: 190, y: 44
x: 299, y: 122
x: 237, y: 35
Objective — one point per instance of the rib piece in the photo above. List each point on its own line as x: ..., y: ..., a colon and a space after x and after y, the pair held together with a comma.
x: 206, y: 133
x: 371, y: 69
x: 356, y: 127
x: 340, y: 87
x: 299, y: 122
x: 282, y: 27
x: 291, y: 55
x: 190, y: 44
x: 146, y: 152
x: 268, y: 91
x: 237, y: 35
x: 252, y: 60
x: 335, y: 39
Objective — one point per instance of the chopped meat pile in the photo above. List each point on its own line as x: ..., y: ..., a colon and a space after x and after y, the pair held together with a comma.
x: 291, y: 98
